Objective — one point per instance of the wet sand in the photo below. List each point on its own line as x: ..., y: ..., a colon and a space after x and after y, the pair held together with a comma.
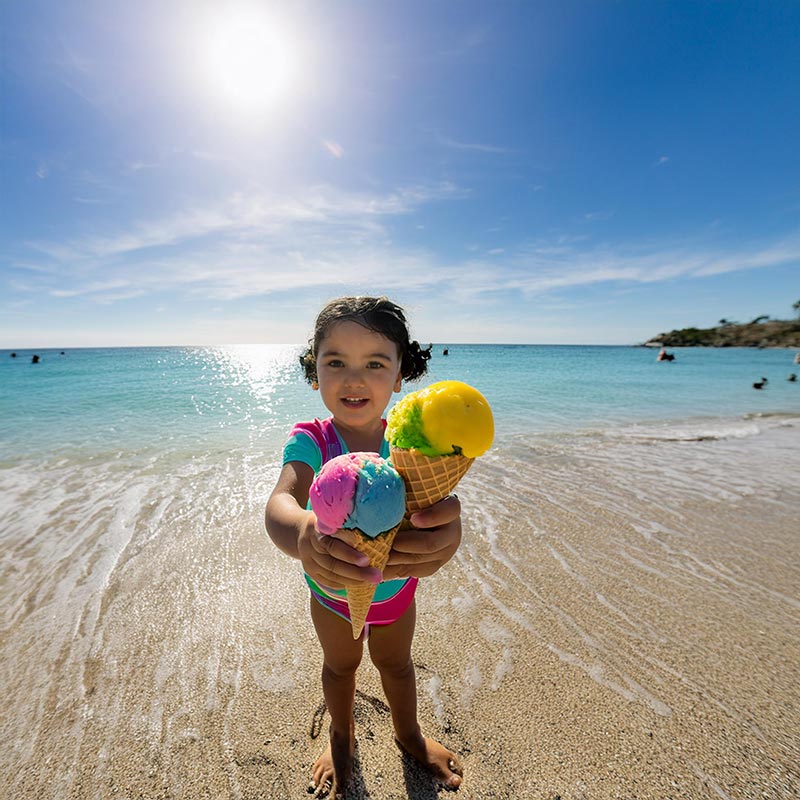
x: 620, y: 622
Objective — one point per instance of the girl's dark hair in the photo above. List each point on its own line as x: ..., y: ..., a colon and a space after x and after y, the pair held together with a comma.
x: 377, y: 314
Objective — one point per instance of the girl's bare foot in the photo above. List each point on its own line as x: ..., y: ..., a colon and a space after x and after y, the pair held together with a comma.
x: 322, y: 775
x: 442, y: 763
x: 331, y: 771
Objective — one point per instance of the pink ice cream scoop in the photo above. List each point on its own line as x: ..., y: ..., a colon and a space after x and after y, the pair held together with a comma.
x: 358, y: 490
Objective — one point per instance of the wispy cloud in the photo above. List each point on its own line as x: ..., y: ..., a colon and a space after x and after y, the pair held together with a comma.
x: 475, y: 147
x: 254, y: 216
x: 256, y: 244
x: 248, y: 244
x: 594, y: 216
x: 138, y: 166
x: 544, y: 268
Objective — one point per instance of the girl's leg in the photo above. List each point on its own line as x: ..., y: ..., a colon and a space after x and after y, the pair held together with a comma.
x: 342, y: 655
x: 390, y: 650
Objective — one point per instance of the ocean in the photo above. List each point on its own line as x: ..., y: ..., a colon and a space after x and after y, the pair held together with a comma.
x: 187, y: 401
x: 132, y: 489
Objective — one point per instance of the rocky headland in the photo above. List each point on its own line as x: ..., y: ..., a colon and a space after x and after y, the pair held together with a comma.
x: 759, y: 333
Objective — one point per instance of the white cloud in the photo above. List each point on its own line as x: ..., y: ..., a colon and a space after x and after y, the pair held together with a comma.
x: 138, y: 166
x: 477, y: 147
x: 323, y: 239
x: 247, y: 217
x: 248, y: 244
x: 599, y: 215
x: 546, y: 268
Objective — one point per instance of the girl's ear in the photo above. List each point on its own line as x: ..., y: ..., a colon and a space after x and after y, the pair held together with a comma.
x: 399, y: 382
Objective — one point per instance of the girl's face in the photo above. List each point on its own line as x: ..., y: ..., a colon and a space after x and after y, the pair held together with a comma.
x: 358, y: 369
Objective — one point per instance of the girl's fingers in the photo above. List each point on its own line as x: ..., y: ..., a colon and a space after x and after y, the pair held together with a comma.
x: 417, y: 542
x: 341, y: 545
x: 440, y: 514
x: 336, y: 565
x: 346, y: 574
x: 340, y: 550
x: 422, y: 552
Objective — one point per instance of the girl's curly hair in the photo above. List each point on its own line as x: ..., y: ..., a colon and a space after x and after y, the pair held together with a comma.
x: 377, y: 314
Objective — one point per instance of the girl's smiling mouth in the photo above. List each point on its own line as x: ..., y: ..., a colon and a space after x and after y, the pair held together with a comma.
x: 355, y: 402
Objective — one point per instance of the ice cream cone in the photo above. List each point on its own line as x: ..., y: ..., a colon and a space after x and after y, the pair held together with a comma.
x: 359, y: 598
x: 428, y: 479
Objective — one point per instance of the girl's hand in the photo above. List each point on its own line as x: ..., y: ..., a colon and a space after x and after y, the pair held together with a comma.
x: 428, y: 546
x: 330, y: 560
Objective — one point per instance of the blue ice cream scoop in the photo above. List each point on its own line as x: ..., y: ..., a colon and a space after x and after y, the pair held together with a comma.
x: 380, y: 498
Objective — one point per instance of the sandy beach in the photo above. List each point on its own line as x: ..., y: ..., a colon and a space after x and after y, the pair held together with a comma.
x: 620, y: 622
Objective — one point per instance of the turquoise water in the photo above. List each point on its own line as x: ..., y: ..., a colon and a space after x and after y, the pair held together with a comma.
x: 93, y: 401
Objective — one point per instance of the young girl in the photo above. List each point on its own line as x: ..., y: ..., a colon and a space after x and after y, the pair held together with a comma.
x: 360, y: 353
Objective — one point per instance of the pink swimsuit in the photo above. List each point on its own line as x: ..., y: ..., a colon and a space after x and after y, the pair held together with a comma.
x: 393, y: 597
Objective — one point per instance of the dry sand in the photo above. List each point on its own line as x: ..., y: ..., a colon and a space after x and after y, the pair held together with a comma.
x: 610, y: 632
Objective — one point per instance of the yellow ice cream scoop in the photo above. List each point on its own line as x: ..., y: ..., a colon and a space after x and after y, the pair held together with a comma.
x: 457, y: 417
x: 435, y: 434
x: 444, y: 418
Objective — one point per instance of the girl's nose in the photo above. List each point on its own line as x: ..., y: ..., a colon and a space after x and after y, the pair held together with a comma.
x: 354, y: 377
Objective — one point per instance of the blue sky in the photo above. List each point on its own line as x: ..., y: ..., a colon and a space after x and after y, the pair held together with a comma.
x: 193, y: 172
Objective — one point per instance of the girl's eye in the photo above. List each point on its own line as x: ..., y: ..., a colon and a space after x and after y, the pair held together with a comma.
x: 375, y: 365
x: 335, y: 362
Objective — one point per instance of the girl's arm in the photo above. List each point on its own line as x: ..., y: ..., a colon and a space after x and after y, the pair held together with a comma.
x: 286, y: 517
x: 329, y: 560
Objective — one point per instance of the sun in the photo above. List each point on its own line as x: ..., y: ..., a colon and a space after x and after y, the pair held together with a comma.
x: 250, y: 60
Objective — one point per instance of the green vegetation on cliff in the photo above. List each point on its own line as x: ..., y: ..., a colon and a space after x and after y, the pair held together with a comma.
x: 761, y: 332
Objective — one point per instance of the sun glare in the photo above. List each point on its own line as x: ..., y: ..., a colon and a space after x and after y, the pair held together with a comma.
x: 251, y: 61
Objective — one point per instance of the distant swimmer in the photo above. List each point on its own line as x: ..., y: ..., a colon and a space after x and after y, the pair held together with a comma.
x: 445, y: 352
x: 792, y: 378
x: 35, y: 360
x: 797, y: 358
x: 760, y: 384
x: 663, y: 355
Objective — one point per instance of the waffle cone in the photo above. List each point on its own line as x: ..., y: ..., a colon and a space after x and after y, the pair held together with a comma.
x: 428, y: 479
x: 359, y: 598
